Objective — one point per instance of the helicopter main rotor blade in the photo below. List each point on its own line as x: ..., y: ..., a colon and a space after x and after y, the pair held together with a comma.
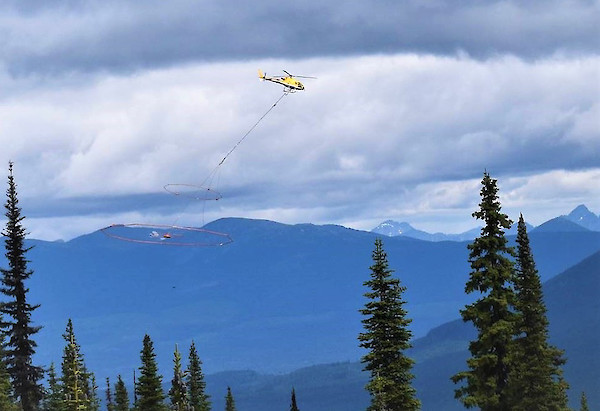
x: 291, y: 75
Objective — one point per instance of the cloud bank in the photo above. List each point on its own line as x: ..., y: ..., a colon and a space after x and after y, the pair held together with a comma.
x: 105, y: 102
x: 373, y: 137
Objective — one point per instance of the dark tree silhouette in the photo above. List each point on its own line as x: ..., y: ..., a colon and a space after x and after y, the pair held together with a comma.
x: 492, y: 313
x: 16, y: 311
x: 387, y: 337
x: 149, y: 391
x: 536, y: 378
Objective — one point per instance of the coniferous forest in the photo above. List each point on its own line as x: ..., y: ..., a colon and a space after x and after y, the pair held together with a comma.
x: 512, y: 364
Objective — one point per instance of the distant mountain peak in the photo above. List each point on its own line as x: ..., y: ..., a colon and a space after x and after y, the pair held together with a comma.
x: 580, y: 219
x: 582, y: 216
x: 391, y: 228
x: 581, y: 208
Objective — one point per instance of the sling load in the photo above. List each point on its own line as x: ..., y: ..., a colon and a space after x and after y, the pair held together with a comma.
x: 177, y: 235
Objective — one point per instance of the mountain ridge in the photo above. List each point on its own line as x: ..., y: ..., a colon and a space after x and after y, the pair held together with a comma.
x: 277, y: 285
x: 580, y: 218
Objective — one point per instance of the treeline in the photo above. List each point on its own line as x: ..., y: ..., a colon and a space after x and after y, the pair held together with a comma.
x: 76, y: 388
x: 512, y: 365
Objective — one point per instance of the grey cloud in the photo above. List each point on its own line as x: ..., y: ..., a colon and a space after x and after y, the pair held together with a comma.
x: 81, y: 206
x: 125, y: 36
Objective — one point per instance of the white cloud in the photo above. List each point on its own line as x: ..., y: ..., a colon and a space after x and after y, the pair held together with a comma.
x: 540, y: 196
x: 372, y: 136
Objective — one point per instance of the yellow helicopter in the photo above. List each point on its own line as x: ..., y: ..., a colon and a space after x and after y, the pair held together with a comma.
x: 289, y: 81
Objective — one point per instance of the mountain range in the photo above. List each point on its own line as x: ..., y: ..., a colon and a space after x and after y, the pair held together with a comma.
x: 581, y: 218
x: 278, y: 299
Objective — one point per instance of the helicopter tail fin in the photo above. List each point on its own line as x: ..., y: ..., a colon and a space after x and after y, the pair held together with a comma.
x: 261, y: 75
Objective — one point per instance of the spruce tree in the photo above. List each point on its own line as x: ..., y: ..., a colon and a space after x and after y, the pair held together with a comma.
x: 54, y: 398
x: 493, y: 313
x: 16, y: 312
x: 387, y: 337
x: 110, y: 406
x: 293, y: 405
x: 90, y: 390
x: 74, y: 377
x: 229, y: 401
x: 536, y: 380
x: 121, y: 396
x: 198, y: 399
x: 149, y: 391
x: 178, y: 391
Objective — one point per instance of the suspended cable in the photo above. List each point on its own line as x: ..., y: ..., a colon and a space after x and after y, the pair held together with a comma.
x: 205, y: 189
x: 285, y: 93
x: 180, y: 235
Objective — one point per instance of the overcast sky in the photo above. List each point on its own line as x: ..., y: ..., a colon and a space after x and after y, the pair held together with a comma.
x: 102, y: 103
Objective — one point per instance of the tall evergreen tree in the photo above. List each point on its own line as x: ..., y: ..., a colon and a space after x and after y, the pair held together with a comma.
x: 149, y: 385
x: 54, y: 398
x: 16, y: 311
x: 90, y: 390
x: 229, y: 401
x: 74, y: 375
x: 536, y: 380
x: 293, y: 405
x: 110, y: 405
x: 121, y: 396
x: 387, y: 337
x: 178, y: 391
x: 493, y: 313
x: 198, y: 398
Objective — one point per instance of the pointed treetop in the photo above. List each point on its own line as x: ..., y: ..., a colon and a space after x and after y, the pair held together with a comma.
x: 229, y: 401
x: 293, y: 405
x: 196, y: 385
